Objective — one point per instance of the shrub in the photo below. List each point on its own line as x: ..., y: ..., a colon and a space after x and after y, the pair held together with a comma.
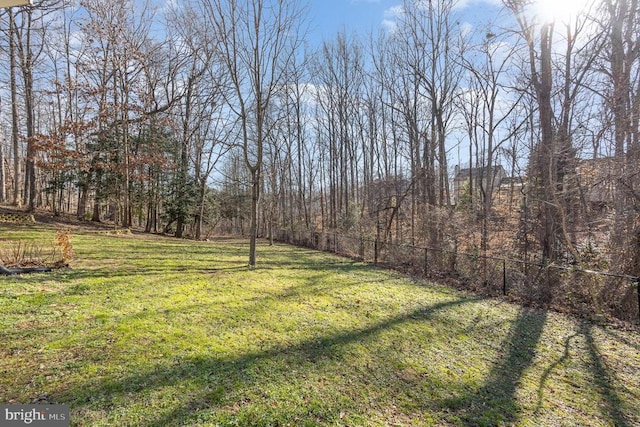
x: 63, y: 242
x: 23, y: 254
x: 37, y: 254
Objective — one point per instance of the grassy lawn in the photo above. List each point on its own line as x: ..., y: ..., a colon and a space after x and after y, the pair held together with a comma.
x: 147, y: 331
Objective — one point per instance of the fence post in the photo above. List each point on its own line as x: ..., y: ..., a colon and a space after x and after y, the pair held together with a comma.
x: 504, y: 277
x: 638, y: 288
x: 375, y: 252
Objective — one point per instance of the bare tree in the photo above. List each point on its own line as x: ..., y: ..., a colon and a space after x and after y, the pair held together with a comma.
x: 622, y: 56
x: 3, y: 192
x: 428, y: 46
x: 294, y: 132
x: 487, y: 105
x: 257, y: 39
x: 552, y: 163
x: 338, y: 71
x: 15, y: 130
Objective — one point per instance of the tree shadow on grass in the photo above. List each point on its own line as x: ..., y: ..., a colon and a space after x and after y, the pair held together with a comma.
x: 603, y: 380
x: 547, y: 372
x: 153, y: 269
x: 217, y: 377
x: 617, y: 336
x: 495, y: 402
x: 159, y: 257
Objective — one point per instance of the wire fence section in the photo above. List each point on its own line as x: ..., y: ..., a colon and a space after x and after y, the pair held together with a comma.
x: 587, y: 292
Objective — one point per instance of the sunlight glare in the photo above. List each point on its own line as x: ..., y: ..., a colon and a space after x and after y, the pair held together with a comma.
x: 560, y: 10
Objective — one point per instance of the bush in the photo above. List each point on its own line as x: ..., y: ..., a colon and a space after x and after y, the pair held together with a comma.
x: 39, y: 254
x: 63, y: 242
x: 16, y: 254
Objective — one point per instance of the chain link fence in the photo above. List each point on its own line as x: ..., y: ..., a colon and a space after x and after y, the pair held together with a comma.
x: 586, y: 292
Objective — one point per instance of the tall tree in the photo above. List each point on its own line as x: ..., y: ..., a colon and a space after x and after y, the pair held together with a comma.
x: 258, y: 40
x: 553, y: 159
x: 429, y: 45
x: 121, y: 80
x: 28, y: 50
x: 619, y: 25
x: 339, y: 72
x: 3, y: 192
x: 486, y: 106
x: 15, y: 130
x: 622, y: 56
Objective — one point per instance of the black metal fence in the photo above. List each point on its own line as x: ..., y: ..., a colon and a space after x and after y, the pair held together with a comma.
x: 587, y: 292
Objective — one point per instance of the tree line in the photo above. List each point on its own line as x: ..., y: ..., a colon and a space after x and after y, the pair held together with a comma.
x: 219, y: 115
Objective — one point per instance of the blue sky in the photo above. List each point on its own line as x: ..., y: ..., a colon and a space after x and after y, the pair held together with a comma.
x: 327, y: 17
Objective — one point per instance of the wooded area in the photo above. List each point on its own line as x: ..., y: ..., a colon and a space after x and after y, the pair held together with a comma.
x: 217, y: 116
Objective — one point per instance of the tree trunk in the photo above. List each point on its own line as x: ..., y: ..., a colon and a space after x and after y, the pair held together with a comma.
x: 200, y: 214
x: 255, y: 198
x: 98, y: 196
x: 83, y: 191
x: 3, y: 195
x: 621, y: 89
x: 547, y: 152
x: 26, y: 55
x: 15, y: 140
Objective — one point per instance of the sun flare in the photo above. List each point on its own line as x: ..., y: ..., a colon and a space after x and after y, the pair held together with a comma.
x: 561, y: 10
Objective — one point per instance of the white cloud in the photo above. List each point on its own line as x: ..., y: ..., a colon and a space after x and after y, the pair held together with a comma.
x: 391, y: 17
x: 394, y: 12
x: 463, y: 4
x: 77, y: 39
x: 171, y: 5
x: 466, y: 29
x: 389, y: 25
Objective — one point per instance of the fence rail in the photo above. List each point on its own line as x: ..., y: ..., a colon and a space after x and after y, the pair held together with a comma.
x: 582, y: 291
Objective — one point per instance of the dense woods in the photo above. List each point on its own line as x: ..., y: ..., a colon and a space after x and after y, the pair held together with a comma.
x: 518, y: 138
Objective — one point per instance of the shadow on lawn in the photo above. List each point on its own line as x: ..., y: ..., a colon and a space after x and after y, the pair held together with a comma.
x: 603, y: 379
x: 155, y: 268
x: 217, y: 377
x: 157, y: 265
x: 495, y: 402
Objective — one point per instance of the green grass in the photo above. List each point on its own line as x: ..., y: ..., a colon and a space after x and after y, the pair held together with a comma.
x: 147, y: 331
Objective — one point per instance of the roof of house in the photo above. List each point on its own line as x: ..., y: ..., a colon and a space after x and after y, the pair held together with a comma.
x: 476, y: 172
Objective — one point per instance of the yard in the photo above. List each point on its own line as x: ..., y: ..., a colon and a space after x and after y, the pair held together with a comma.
x: 152, y: 331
